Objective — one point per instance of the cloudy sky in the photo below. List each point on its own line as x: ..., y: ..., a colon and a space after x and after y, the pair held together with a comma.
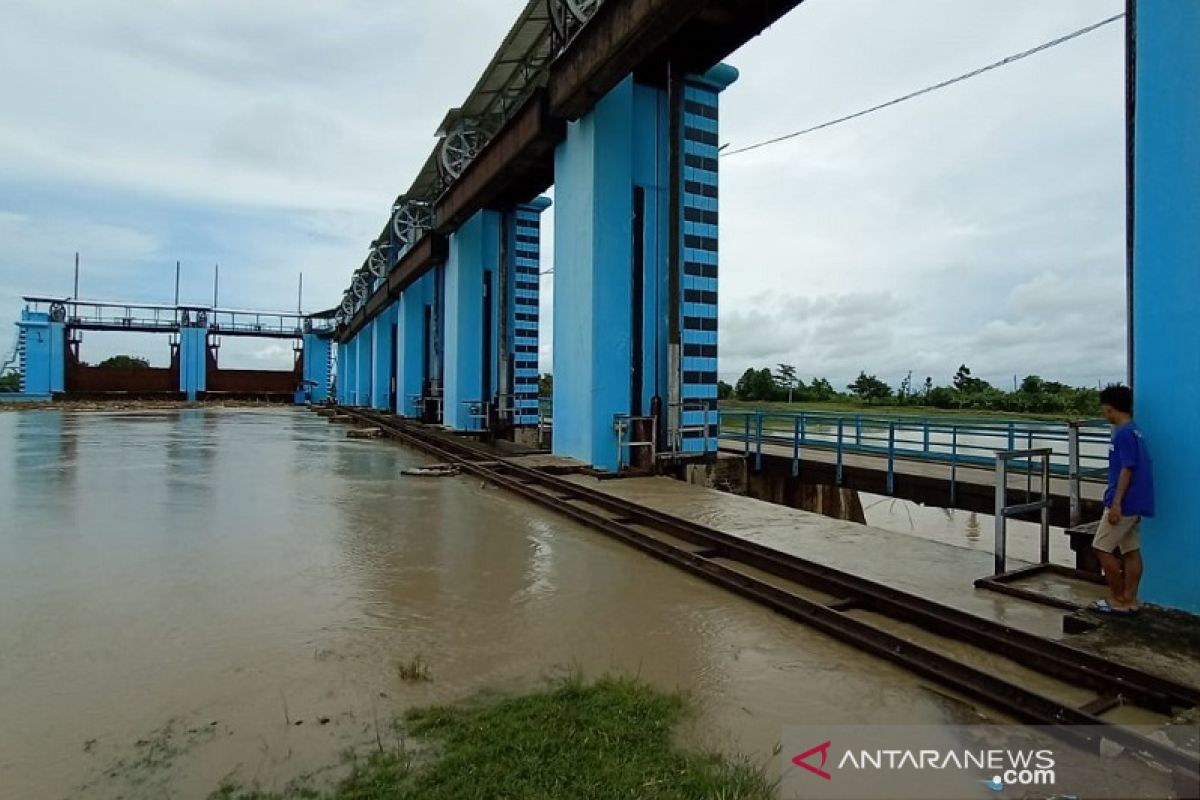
x: 982, y: 224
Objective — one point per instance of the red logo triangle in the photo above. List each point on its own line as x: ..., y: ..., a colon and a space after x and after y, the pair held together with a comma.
x: 801, y: 760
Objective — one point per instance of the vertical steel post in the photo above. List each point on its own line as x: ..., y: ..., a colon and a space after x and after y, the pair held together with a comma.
x: 841, y: 426
x: 76, y: 294
x: 858, y: 430
x: 891, y: 473
x: 1073, y: 472
x: 1028, y: 466
x: 746, y: 435
x: 176, y: 283
x: 758, y: 437
x: 926, y: 423
x: 795, y: 446
x: 953, y: 462
x: 1045, y: 511
x: 1001, y: 492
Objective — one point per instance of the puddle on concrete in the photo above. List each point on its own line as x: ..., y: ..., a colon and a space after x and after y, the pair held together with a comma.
x: 197, y: 595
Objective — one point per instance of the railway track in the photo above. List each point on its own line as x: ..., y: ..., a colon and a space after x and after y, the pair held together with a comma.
x: 717, y: 556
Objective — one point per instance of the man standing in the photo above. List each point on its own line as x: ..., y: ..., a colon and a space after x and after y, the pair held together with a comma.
x: 1128, y: 498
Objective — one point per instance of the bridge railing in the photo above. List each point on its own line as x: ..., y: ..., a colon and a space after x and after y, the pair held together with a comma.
x: 148, y: 316
x: 1078, y: 449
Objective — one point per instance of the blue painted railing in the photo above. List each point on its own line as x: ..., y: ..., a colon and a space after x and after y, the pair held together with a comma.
x: 1079, y: 449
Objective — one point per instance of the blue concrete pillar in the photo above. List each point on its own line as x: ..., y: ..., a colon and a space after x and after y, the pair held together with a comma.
x: 352, y: 372
x: 43, y: 358
x: 523, y: 317
x: 383, y: 359
x: 619, y: 345
x: 316, y: 357
x: 470, y: 321
x: 412, y: 350
x: 193, y: 360
x: 364, y: 344
x: 1166, y: 286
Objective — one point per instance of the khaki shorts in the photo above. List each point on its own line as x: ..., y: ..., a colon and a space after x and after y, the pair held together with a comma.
x: 1123, y: 536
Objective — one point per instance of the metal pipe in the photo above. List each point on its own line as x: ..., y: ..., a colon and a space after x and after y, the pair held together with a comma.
x: 758, y: 437
x: 891, y: 463
x: 953, y: 463
x: 795, y: 446
x: 1045, y: 509
x: 1073, y: 486
x: 76, y: 293
x: 176, y: 283
x: 839, y: 451
x: 1001, y: 491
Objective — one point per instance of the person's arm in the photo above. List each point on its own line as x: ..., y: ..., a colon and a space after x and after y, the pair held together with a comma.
x: 1123, y: 481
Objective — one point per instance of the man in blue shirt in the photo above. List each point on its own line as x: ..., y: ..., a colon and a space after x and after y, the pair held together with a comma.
x: 1128, y: 498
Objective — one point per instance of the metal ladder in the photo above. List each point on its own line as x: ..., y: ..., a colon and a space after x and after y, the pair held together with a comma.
x: 17, y: 356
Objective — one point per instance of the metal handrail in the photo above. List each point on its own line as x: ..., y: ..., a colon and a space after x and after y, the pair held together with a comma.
x: 622, y: 425
x: 1004, y: 511
x: 956, y: 443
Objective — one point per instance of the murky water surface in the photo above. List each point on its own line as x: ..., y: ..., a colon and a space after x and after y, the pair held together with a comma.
x: 199, y: 595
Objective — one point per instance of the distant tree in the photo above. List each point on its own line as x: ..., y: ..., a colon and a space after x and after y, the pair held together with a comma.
x: 724, y: 390
x: 905, y: 388
x: 744, y: 387
x: 962, y: 378
x: 1033, y: 384
x: 942, y: 397
x: 124, y: 362
x: 869, y: 388
x: 821, y: 390
x: 928, y: 387
x: 10, y: 382
x: 546, y: 385
x: 756, y: 384
x: 785, y: 379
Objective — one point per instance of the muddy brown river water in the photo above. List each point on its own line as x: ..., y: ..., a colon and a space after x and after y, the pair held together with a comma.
x: 197, y: 595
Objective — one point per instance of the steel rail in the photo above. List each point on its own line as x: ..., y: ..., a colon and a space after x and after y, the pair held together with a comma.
x: 1113, y: 682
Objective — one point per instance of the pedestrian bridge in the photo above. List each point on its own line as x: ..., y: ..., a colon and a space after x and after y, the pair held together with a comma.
x: 46, y: 354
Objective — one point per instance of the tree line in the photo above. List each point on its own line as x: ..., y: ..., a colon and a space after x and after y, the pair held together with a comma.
x: 1033, y: 394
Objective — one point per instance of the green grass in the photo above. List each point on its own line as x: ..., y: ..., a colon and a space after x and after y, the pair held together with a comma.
x: 415, y: 670
x: 850, y: 406
x: 608, y: 740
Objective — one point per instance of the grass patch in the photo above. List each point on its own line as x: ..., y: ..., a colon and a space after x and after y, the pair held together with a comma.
x: 607, y: 740
x: 415, y: 670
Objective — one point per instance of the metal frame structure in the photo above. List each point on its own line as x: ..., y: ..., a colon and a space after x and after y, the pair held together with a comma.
x: 1003, y: 579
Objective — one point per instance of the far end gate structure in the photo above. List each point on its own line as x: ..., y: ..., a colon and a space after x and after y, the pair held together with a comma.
x: 51, y: 330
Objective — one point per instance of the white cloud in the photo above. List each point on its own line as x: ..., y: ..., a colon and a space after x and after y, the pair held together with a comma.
x: 982, y: 223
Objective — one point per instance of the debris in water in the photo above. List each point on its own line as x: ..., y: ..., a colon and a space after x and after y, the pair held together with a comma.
x: 364, y: 433
x: 432, y: 471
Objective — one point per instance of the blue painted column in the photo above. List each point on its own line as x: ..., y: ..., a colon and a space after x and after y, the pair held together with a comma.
x: 1166, y: 287
x: 383, y: 360
x: 43, y: 361
x: 469, y: 375
x: 613, y: 348
x: 410, y: 356
x: 352, y: 372
x: 193, y: 360
x: 698, y: 281
x: 523, y: 315
x: 364, y: 344
x: 316, y: 357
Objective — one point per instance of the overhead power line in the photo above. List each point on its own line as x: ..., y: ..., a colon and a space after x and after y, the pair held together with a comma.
x: 995, y: 65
